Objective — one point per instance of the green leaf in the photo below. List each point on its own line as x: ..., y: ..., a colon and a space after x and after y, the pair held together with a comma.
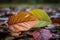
x: 42, y: 16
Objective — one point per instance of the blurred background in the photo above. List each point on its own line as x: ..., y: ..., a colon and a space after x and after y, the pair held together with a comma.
x: 29, y: 1
x: 9, y: 7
